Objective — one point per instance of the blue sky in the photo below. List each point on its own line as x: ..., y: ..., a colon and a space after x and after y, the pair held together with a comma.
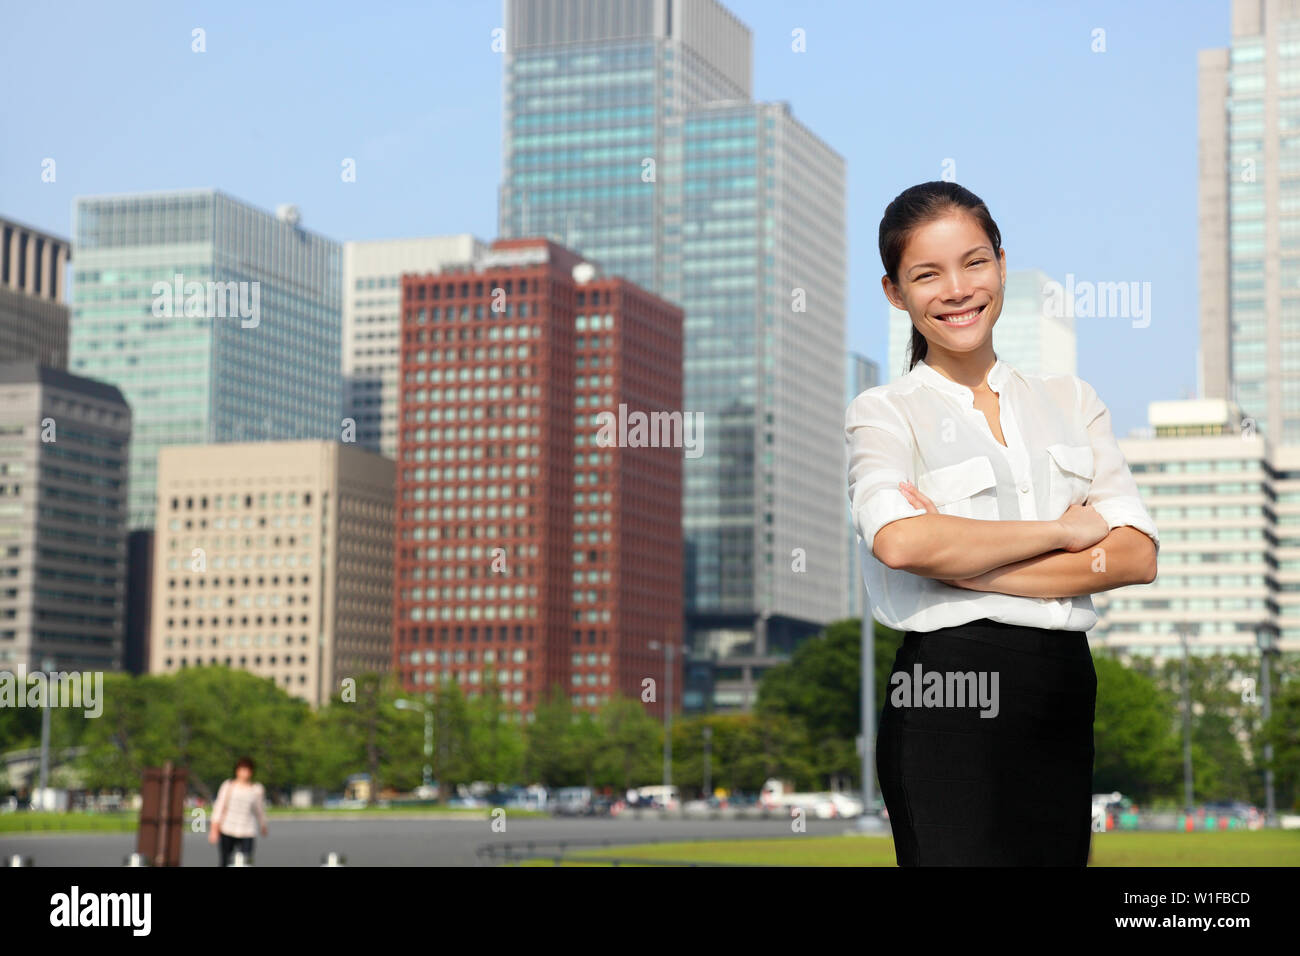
x: 1087, y: 160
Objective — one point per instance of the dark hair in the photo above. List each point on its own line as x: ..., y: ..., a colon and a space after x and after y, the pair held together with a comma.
x: 915, y: 207
x: 245, y: 762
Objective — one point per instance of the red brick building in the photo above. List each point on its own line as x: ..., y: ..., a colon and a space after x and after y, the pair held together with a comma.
x: 528, y: 553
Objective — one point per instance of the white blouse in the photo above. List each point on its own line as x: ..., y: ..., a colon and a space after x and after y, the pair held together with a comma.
x: 241, y: 809
x: 925, y: 428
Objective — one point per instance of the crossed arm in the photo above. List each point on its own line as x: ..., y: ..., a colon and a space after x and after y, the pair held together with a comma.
x: 1025, y: 558
x: 1125, y: 556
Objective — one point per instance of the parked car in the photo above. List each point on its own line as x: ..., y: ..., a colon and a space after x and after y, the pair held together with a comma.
x: 572, y: 801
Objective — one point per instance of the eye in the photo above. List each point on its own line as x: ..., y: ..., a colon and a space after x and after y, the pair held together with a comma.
x: 975, y: 262
x: 923, y: 275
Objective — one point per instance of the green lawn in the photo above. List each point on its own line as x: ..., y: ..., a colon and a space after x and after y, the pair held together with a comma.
x: 1233, y: 848
x: 31, y: 821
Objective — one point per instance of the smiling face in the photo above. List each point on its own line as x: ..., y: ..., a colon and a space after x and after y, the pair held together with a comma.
x: 951, y: 284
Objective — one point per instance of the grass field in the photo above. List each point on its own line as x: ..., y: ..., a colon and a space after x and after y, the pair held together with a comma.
x: 1234, y: 848
x: 33, y: 821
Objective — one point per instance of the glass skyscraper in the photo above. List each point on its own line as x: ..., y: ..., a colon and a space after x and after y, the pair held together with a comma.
x: 631, y: 135
x: 1249, y: 214
x: 218, y: 321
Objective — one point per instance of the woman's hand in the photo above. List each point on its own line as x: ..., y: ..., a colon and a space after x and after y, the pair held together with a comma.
x: 1084, y: 527
x: 212, y: 836
x: 918, y: 500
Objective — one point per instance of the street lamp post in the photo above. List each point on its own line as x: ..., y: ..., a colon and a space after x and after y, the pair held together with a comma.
x: 1187, y: 723
x: 48, y: 666
x: 428, y: 735
x: 870, y: 820
x: 668, y: 710
x: 1264, y: 638
x: 708, y: 762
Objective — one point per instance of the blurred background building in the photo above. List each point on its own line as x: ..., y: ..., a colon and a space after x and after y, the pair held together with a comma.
x: 276, y: 558
x: 863, y: 373
x: 33, y: 313
x: 631, y: 136
x: 63, y: 505
x: 1249, y: 206
x: 529, y: 553
x: 372, y: 325
x: 1227, y: 504
x: 161, y: 288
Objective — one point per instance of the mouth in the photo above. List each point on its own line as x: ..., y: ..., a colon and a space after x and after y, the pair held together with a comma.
x: 968, y: 317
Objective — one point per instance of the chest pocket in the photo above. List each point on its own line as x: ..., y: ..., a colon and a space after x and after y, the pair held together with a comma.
x: 967, y: 489
x: 1071, y: 469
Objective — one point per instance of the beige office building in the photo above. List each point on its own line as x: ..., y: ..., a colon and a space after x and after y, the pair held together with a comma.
x: 1227, y: 504
x: 276, y: 558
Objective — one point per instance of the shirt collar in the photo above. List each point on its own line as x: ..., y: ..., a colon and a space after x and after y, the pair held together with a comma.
x: 928, y: 374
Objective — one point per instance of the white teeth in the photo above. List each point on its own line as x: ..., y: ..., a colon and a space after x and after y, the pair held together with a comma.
x: 961, y: 316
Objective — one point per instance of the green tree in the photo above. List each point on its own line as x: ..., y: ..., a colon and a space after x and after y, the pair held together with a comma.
x: 453, y: 747
x: 821, y: 688
x: 549, y: 755
x: 1137, y: 752
x: 496, y: 741
x: 365, y: 732
x: 1283, y: 731
x: 631, y: 744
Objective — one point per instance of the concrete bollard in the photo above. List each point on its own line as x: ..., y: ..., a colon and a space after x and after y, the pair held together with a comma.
x: 333, y: 859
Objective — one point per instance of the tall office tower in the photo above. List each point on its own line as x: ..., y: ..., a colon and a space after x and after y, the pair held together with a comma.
x: 1249, y: 198
x: 630, y: 134
x: 63, y: 491
x: 276, y: 558
x: 372, y: 325
x: 539, y: 476
x: 33, y: 315
x: 1035, y: 332
x: 219, y: 322
x: 1212, y: 487
x: 862, y: 374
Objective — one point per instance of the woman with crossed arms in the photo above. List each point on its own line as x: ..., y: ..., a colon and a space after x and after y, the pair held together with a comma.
x: 991, y: 504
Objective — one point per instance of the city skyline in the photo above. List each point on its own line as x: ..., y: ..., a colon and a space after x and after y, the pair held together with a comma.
x: 413, y: 179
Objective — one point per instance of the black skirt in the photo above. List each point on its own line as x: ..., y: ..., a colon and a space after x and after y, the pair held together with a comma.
x: 1010, y: 789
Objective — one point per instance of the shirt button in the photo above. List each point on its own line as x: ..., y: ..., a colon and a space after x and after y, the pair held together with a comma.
x: 1024, y: 487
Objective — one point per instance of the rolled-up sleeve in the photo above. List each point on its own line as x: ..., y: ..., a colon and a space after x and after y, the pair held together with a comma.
x: 879, y: 457
x: 1114, y: 491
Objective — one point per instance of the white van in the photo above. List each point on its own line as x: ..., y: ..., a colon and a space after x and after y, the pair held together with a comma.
x: 659, y: 796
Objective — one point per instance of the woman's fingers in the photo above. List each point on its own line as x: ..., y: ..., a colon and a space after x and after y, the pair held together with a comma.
x: 917, y: 499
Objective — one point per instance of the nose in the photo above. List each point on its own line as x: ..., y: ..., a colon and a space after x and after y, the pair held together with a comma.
x: 957, y: 288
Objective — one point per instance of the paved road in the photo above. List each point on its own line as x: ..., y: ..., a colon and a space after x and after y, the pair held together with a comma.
x: 380, y: 842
